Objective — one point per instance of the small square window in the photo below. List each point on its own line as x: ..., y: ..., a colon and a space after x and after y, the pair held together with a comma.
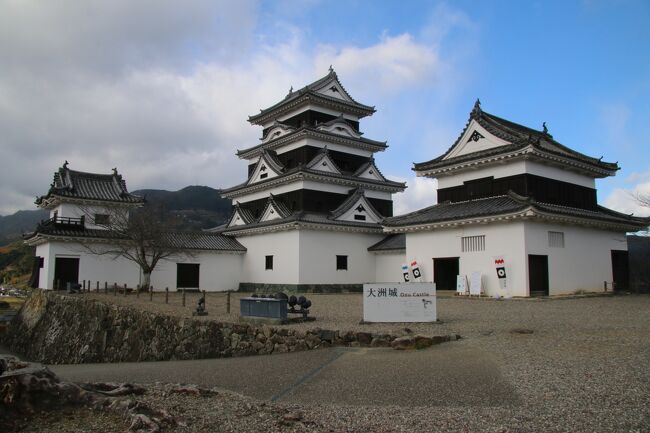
x: 102, y: 219
x: 341, y: 263
x: 268, y: 263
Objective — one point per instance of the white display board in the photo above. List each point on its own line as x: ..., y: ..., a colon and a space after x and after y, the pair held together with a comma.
x: 399, y: 302
x: 461, y: 284
x: 475, y: 283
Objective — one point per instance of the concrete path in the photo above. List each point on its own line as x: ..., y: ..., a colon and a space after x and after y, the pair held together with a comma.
x: 451, y: 374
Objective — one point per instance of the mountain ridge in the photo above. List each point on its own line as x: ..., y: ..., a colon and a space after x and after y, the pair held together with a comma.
x: 196, y: 206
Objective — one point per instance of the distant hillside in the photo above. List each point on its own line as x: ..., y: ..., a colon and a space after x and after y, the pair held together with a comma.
x: 23, y: 221
x: 190, y: 197
x: 198, y: 207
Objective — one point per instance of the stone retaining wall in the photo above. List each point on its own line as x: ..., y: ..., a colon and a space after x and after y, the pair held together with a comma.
x: 60, y: 329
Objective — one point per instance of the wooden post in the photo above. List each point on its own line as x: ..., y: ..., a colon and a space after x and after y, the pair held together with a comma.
x: 166, y: 295
x: 151, y: 293
x: 124, y: 289
x: 114, y: 289
x: 83, y: 288
x: 97, y: 290
x: 106, y: 287
x: 183, y: 297
x: 137, y: 291
x: 228, y: 302
x: 205, y: 300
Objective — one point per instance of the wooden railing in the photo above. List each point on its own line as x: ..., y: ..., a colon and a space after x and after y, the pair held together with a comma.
x: 65, y: 221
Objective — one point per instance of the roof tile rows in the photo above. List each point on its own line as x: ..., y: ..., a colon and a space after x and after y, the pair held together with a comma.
x: 310, y: 92
x: 89, y: 186
x: 509, y: 204
x: 518, y: 136
x: 181, y: 240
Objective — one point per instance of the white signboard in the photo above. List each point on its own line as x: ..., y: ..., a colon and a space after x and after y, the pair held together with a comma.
x: 461, y: 284
x: 399, y: 302
x: 475, y: 284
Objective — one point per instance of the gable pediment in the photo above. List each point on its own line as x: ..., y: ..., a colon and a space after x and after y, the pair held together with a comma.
x: 370, y: 171
x: 334, y: 89
x: 239, y: 217
x: 266, y: 168
x: 277, y: 130
x: 475, y: 139
x: 323, y: 162
x: 359, y: 209
x: 340, y: 128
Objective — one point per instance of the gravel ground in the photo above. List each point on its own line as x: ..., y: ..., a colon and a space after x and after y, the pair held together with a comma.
x: 584, y: 368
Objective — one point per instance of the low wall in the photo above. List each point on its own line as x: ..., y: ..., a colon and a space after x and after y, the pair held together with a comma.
x: 61, y: 329
x: 300, y: 288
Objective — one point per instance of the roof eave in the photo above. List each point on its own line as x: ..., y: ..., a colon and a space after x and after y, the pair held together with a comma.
x: 309, y: 96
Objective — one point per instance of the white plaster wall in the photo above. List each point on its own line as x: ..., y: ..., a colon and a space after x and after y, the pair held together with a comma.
x: 217, y: 271
x: 47, y: 272
x: 584, y: 262
x: 505, y: 240
x: 91, y: 267
x: 283, y: 246
x: 318, y: 251
x: 388, y: 267
x: 517, y: 167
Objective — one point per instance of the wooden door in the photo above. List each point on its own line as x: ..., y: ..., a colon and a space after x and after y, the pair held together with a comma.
x: 66, y: 270
x: 445, y: 270
x: 538, y: 275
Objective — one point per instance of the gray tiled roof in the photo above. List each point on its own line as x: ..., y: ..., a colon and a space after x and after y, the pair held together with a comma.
x: 518, y: 136
x: 508, y: 204
x: 390, y: 243
x: 203, y: 241
x: 90, y: 186
x: 308, y: 92
x: 304, y: 169
x: 184, y: 240
x: 309, y: 130
x: 461, y: 210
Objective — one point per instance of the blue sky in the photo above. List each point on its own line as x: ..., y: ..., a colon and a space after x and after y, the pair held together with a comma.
x: 154, y: 89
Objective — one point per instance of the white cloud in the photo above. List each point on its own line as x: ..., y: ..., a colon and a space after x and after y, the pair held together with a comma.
x: 421, y: 192
x: 625, y: 201
x: 162, y: 92
x: 384, y: 68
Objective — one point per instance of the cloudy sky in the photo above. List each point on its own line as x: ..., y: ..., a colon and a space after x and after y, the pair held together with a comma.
x: 162, y: 89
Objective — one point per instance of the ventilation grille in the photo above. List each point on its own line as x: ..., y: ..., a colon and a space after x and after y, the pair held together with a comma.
x: 556, y: 239
x: 473, y: 243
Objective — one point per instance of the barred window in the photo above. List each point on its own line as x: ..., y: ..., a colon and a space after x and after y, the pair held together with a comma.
x: 102, y: 219
x: 472, y: 243
x: 268, y: 263
x: 556, y: 239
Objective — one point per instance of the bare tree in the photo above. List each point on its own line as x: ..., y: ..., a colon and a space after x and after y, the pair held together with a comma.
x: 141, y: 235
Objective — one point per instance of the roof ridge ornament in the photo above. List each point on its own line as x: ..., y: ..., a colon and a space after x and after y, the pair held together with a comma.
x: 544, y: 128
x: 476, y: 110
x: 331, y: 69
x: 65, y: 164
